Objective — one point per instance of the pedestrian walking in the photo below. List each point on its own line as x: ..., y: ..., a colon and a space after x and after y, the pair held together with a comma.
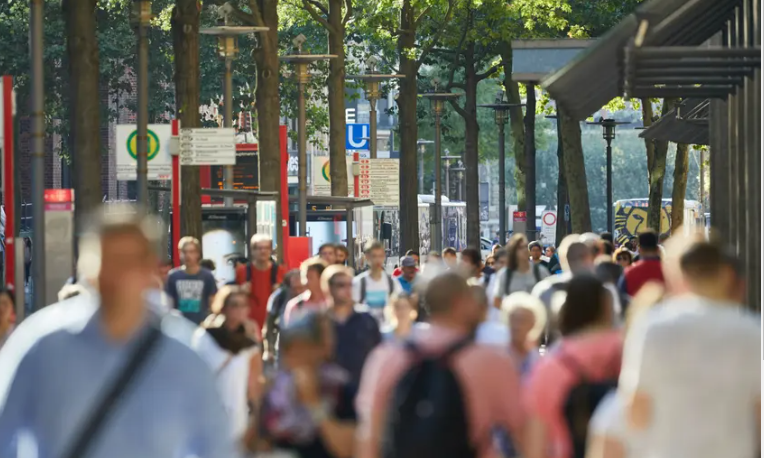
x: 260, y: 277
x: 290, y: 288
x: 401, y: 318
x: 313, y: 298
x: 519, y: 274
x: 191, y: 287
x: 374, y: 287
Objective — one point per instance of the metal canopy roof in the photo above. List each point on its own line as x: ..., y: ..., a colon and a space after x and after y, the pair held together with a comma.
x: 596, y: 75
x: 346, y: 202
x: 532, y: 60
x: 676, y: 125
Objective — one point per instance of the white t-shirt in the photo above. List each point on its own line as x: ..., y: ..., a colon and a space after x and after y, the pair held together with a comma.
x: 377, y: 292
x: 521, y: 281
x: 698, y: 361
x: 493, y: 333
x: 232, y: 378
x: 609, y: 420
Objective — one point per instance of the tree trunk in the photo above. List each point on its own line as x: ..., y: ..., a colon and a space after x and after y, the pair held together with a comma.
x: 575, y: 173
x: 85, y: 112
x: 517, y: 128
x: 185, y: 44
x: 471, y: 136
x: 681, y: 167
x: 657, y: 151
x: 268, y: 109
x: 530, y: 161
x: 562, y: 188
x: 336, y: 86
x: 407, y: 102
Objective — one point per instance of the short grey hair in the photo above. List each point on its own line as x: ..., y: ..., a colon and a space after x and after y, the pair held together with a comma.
x: 260, y: 238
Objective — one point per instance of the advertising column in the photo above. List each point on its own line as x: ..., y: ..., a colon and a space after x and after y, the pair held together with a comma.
x: 59, y: 237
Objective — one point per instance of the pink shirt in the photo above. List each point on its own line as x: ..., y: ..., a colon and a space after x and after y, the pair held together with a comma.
x: 598, y: 354
x: 488, y: 378
x: 299, y: 304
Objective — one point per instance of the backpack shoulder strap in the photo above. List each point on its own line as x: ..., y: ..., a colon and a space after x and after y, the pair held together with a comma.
x: 390, y: 284
x: 363, y: 290
x: 537, y: 272
x: 249, y: 272
x: 507, y: 280
x: 274, y: 273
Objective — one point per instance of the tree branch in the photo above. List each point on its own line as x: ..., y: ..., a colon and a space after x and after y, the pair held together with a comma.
x: 314, y: 14
x: 256, y: 14
x: 319, y: 6
x: 487, y: 73
x: 426, y: 49
x: 421, y: 17
x: 462, y: 112
x: 348, y: 12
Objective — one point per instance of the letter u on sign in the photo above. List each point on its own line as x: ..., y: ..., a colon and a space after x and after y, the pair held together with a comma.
x: 354, y: 138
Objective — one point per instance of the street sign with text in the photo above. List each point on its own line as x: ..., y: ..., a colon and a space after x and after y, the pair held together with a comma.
x: 379, y: 181
x: 204, y: 146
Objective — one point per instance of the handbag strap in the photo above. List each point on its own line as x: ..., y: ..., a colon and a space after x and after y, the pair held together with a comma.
x: 105, y: 406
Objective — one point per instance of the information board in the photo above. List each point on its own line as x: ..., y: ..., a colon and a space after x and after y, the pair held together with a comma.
x: 159, y: 159
x: 321, y: 179
x: 379, y: 181
x: 204, y: 146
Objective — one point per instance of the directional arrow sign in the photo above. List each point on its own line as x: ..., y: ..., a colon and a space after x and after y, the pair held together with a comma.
x: 203, y: 146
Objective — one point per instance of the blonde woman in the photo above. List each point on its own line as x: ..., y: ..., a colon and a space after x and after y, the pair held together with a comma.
x: 233, y: 354
x: 526, y: 317
x: 401, y: 314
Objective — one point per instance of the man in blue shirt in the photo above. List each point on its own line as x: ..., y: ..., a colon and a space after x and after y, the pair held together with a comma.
x: 58, y: 364
x: 408, y: 274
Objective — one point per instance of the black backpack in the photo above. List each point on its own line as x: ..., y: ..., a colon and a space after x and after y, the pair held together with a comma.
x: 391, y: 287
x: 427, y: 415
x: 508, y: 277
x: 274, y: 273
x: 583, y: 398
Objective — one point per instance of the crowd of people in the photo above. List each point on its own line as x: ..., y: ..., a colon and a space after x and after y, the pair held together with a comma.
x: 586, y: 350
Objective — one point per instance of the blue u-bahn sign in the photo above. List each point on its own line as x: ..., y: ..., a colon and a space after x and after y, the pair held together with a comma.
x: 356, y: 137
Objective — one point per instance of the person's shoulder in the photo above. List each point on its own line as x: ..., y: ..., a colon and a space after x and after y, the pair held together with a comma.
x: 357, y: 279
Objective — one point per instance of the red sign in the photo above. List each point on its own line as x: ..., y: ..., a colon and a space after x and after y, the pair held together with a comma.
x: 519, y: 217
x: 59, y: 196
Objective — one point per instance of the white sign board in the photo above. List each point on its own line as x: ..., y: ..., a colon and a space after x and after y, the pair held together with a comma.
x: 202, y: 146
x: 321, y: 179
x: 379, y: 181
x: 548, y: 227
x: 160, y: 161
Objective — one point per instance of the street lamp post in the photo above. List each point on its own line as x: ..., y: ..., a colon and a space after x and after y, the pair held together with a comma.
x: 141, y: 19
x: 422, y: 150
x: 301, y: 62
x: 437, y: 100
x: 38, y: 153
x: 500, y: 109
x: 459, y: 169
x: 448, y: 159
x: 228, y: 50
x: 608, y: 133
x: 371, y: 82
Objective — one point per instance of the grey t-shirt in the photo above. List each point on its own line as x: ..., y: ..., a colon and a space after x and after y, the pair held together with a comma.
x: 191, y: 293
x: 521, y: 281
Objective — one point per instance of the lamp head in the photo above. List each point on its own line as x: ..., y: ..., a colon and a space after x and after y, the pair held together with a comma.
x: 298, y: 41
x: 371, y: 64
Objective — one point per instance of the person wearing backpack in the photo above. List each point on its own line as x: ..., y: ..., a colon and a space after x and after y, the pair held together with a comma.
x: 290, y: 288
x: 520, y: 274
x: 566, y: 385
x: 438, y: 394
x: 260, y: 277
x: 374, y: 287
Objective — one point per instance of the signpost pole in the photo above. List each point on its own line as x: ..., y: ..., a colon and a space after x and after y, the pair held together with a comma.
x: 228, y: 122
x: 38, y: 153
x: 143, y: 17
x: 9, y: 202
x: 356, y: 172
x: 282, y: 212
x: 175, y: 198
x: 302, y: 154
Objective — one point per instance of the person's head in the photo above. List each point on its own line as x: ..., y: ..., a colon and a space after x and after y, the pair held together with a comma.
x: 536, y: 250
x: 496, y: 247
x: 480, y: 296
x: 310, y: 273
x: 648, y: 243
x: 711, y: 271
x: 208, y: 264
x: 631, y: 244
x: 261, y: 247
x: 190, y: 251
x: 517, y: 253
x: 307, y: 341
x: 574, y: 255
x: 340, y: 254
x: 401, y: 309
x: 413, y: 254
x: 118, y: 255
x: 549, y: 251
x: 588, y: 304
x: 607, y: 237
x: 7, y: 306
x: 526, y: 317
x: 434, y: 257
x: 337, y: 283
x: 471, y: 261
x: 500, y: 259
x: 293, y: 283
x: 449, y: 257
x: 233, y: 303
x: 623, y: 257
x: 451, y: 301
x: 594, y: 242
x: 606, y: 270
x: 328, y: 253
x: 490, y: 261
x: 375, y: 255
x: 607, y: 248
x: 408, y: 268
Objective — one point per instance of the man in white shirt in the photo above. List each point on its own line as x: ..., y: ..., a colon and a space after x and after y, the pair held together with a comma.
x: 690, y: 378
x: 374, y: 287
